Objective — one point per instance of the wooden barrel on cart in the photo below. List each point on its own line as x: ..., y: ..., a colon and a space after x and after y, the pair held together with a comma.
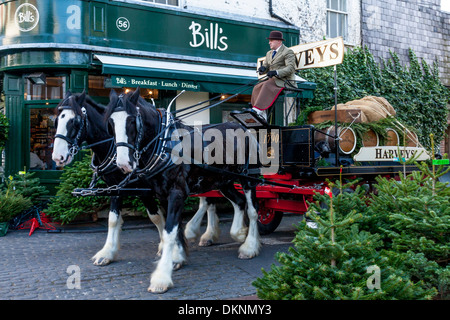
x: 370, y: 139
x: 411, y: 139
x: 347, y: 142
x: 392, y: 138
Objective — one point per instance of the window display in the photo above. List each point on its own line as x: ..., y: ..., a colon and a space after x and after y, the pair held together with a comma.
x: 42, y: 132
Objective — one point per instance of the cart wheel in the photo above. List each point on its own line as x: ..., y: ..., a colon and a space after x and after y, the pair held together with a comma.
x: 268, y: 220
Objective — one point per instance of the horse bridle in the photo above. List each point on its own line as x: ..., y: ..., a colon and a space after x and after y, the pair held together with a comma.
x: 139, y: 128
x: 158, y: 160
x: 74, y: 145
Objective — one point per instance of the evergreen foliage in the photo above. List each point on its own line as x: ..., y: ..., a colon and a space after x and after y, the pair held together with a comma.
x: 4, y: 128
x: 402, y: 226
x: 64, y: 207
x: 412, y: 215
x: 415, y: 92
x: 11, y: 203
x: 334, y: 259
x: 29, y: 187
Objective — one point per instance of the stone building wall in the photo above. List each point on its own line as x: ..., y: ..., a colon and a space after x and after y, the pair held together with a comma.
x: 399, y: 25
x: 417, y: 24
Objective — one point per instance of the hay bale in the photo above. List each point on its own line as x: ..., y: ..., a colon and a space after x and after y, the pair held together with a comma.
x: 374, y: 108
x: 383, y: 102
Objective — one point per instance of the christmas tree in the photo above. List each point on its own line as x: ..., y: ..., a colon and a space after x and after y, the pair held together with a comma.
x: 64, y: 207
x: 336, y: 260
x: 29, y: 187
x: 412, y: 216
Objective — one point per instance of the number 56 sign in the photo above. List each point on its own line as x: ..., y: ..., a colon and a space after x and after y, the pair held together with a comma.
x: 122, y: 24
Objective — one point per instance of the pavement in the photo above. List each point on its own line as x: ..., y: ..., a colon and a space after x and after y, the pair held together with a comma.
x: 42, y: 266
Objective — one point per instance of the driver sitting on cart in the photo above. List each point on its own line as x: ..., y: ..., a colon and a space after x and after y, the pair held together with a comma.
x: 279, y: 66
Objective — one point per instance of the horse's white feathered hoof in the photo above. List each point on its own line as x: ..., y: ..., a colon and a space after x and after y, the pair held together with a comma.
x: 160, y: 285
x: 249, y: 250
x: 245, y: 256
x: 208, y: 239
x: 205, y: 242
x: 102, y: 258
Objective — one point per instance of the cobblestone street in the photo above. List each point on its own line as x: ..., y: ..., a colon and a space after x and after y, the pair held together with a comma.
x: 36, y: 267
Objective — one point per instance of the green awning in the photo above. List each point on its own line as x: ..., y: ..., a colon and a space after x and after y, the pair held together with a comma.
x: 169, y: 75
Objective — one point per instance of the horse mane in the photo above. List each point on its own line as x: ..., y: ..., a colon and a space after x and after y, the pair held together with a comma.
x: 97, y: 106
x: 145, y: 108
x: 111, y: 106
x: 72, y: 100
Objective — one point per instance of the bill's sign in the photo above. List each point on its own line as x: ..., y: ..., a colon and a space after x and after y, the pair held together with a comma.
x: 316, y: 54
x: 391, y: 153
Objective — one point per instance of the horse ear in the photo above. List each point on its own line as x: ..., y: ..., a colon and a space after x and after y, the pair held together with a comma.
x: 68, y: 94
x: 135, y: 96
x: 112, y: 94
x: 82, y: 97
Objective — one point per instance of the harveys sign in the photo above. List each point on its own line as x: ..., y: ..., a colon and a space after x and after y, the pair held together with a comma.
x: 391, y: 153
x: 316, y: 54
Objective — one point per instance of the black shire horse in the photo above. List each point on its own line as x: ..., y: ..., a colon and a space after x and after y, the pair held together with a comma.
x: 164, y: 157
x: 80, y: 119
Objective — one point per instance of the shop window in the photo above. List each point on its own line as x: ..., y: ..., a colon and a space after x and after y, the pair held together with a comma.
x: 337, y: 18
x: 41, y: 87
x: 42, y: 133
x: 97, y: 86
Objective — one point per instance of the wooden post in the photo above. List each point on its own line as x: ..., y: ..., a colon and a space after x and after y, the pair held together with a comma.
x: 336, y: 137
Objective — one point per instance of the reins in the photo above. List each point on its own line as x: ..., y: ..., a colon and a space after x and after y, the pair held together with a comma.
x: 240, y: 90
x: 159, y: 159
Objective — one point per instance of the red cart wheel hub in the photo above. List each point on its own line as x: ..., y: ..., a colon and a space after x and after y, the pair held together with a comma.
x: 265, y: 215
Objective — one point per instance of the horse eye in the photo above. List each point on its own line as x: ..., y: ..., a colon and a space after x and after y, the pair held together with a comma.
x: 62, y: 116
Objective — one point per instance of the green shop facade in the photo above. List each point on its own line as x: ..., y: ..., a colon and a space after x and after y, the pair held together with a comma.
x: 49, y: 47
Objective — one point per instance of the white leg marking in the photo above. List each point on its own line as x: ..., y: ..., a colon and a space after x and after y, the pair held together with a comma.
x: 161, y: 278
x: 179, y: 257
x: 250, y: 248
x: 159, y: 221
x: 192, y: 231
x: 238, y: 231
x: 112, y: 244
x: 212, y: 232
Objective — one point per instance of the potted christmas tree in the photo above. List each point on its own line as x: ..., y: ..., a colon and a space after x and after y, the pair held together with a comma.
x: 11, y: 204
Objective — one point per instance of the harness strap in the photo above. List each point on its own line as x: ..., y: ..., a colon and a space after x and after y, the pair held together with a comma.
x: 70, y: 141
x: 125, y: 144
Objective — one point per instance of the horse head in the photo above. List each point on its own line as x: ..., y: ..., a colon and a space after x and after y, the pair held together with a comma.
x: 70, y: 128
x: 125, y: 120
x: 79, y: 119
